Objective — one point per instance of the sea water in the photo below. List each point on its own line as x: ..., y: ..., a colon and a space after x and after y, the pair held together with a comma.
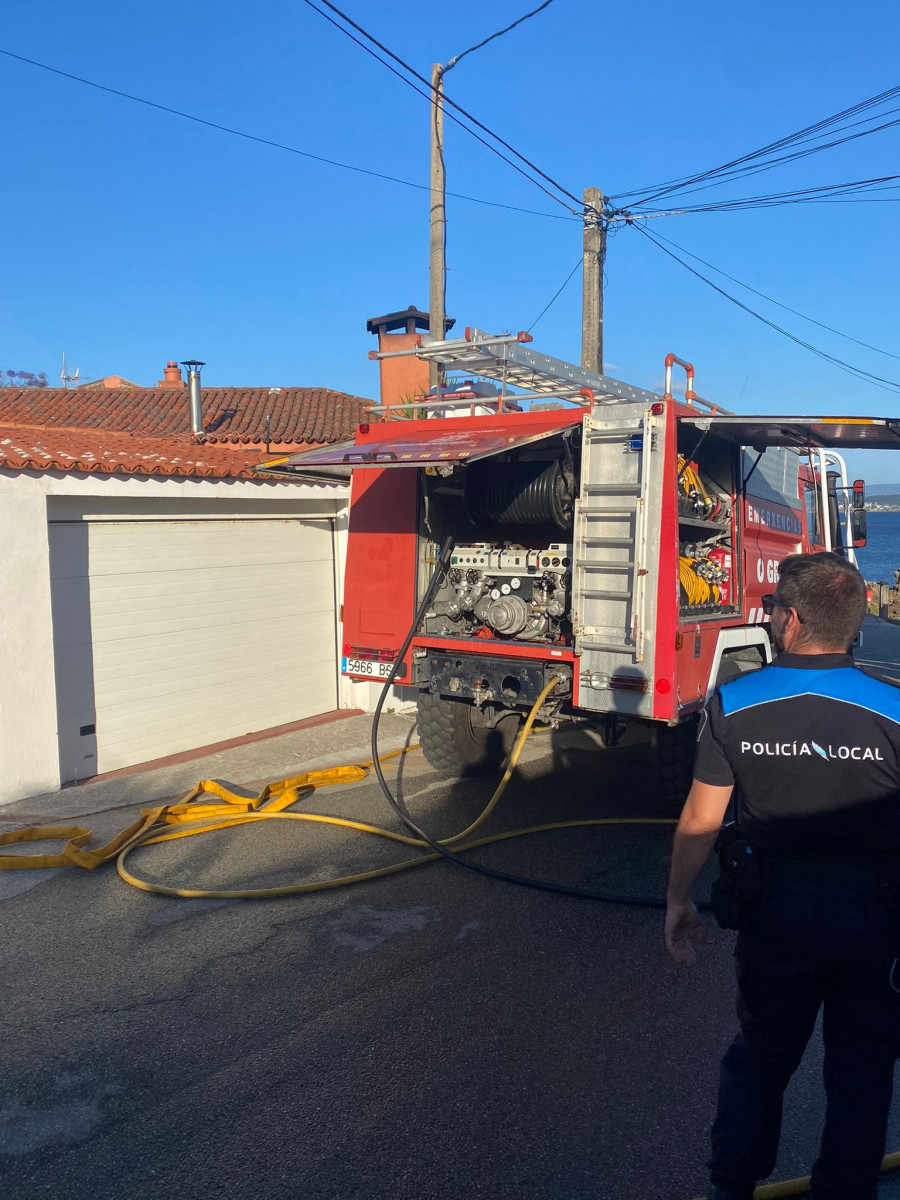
x: 880, y: 557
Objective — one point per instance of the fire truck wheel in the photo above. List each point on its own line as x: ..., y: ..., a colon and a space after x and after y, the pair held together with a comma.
x: 456, y: 742
x: 673, y: 757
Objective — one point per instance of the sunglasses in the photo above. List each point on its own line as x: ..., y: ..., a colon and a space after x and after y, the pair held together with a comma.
x: 770, y: 603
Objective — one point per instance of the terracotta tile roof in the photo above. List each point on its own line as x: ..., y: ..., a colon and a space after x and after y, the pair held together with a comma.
x: 110, y: 381
x: 33, y: 448
x: 231, y: 415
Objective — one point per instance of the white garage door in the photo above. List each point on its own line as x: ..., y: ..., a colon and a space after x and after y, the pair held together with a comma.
x: 169, y: 635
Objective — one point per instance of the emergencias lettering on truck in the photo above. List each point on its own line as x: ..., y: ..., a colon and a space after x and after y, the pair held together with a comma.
x: 773, y: 520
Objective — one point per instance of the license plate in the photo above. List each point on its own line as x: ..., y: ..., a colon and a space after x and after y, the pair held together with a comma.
x: 367, y: 667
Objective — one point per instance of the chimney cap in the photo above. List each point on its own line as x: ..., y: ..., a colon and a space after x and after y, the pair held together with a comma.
x: 193, y: 364
x: 408, y: 319
x: 171, y: 376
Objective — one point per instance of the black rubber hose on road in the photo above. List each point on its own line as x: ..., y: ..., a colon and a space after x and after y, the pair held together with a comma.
x: 399, y: 806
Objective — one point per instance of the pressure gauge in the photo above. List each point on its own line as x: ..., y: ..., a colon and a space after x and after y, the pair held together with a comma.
x: 505, y: 589
x: 515, y: 584
x: 495, y: 593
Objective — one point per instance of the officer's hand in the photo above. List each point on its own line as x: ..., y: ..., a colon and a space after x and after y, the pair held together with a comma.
x: 684, y: 931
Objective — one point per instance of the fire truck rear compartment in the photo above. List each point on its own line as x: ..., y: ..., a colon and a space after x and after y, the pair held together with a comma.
x: 511, y: 520
x: 705, y: 497
x: 521, y: 492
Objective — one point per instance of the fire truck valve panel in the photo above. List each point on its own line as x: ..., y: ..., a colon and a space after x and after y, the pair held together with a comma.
x: 505, y: 591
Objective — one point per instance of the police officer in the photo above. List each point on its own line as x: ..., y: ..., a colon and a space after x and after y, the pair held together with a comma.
x: 808, y: 752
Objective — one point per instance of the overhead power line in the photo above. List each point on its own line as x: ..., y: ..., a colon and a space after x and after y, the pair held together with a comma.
x: 889, y: 385
x: 799, y: 137
x: 430, y: 95
x: 446, y: 100
x: 556, y: 294
x: 262, y: 141
x: 758, y: 168
x: 776, y: 199
x: 772, y: 300
x: 806, y: 134
x: 500, y: 32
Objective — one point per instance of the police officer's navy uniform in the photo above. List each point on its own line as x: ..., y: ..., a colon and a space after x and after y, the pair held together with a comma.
x: 812, y: 747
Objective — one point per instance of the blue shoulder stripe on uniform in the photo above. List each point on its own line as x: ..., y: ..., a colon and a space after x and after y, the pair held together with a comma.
x: 845, y: 684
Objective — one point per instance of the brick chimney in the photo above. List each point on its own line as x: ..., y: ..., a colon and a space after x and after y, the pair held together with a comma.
x: 172, y: 376
x: 402, y: 378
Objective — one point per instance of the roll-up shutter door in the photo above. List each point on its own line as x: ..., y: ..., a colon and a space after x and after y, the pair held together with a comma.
x: 170, y: 635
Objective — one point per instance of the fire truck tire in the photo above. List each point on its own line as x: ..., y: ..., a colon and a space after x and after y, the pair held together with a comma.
x: 455, y: 743
x: 674, y: 747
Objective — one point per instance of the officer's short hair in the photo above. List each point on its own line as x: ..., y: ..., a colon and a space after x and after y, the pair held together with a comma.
x: 829, y: 595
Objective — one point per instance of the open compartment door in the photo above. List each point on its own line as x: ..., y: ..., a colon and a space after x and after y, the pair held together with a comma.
x: 424, y: 444
x: 804, y: 433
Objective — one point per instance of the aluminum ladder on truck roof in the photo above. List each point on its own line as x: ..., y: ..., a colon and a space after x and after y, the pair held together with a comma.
x: 510, y: 362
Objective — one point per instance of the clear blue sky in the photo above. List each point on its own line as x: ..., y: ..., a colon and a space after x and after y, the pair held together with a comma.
x: 132, y: 236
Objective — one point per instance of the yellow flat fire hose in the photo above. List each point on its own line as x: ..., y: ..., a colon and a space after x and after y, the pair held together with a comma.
x: 192, y: 816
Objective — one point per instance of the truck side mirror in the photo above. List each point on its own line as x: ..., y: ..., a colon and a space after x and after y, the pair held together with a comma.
x: 859, y: 493
x: 859, y: 525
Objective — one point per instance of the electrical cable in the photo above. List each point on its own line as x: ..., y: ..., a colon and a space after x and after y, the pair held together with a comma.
x: 809, y: 131
x: 251, y: 137
x: 500, y: 32
x: 446, y: 99
x: 432, y: 96
x: 776, y: 199
x: 556, y: 294
x: 439, y: 140
x: 759, y: 168
x: 772, y: 300
x: 866, y: 376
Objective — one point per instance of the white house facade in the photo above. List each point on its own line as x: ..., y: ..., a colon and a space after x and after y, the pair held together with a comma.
x: 156, y: 595
x: 146, y: 616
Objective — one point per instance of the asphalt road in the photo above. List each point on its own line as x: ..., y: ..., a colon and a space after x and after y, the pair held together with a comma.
x: 435, y: 1034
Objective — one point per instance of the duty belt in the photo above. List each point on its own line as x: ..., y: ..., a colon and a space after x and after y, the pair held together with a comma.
x: 747, y: 873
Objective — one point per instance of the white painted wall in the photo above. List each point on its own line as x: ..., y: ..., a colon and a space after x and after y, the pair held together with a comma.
x: 29, y: 762
x: 29, y: 759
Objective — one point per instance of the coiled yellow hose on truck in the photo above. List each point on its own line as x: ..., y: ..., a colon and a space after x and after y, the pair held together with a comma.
x: 693, y: 486
x: 696, y: 589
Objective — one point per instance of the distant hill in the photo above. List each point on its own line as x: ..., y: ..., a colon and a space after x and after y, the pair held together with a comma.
x: 883, y: 489
x: 887, y: 498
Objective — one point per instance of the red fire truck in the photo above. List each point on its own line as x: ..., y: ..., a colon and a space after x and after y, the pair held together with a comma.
x: 611, y: 538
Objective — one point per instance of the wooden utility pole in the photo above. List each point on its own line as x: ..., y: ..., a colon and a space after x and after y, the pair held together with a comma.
x: 592, y: 281
x: 437, y: 229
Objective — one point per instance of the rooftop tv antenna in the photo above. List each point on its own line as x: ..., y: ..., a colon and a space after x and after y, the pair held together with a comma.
x: 67, y: 379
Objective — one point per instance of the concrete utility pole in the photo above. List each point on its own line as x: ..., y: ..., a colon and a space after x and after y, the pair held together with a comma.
x: 592, y: 281
x: 437, y: 232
